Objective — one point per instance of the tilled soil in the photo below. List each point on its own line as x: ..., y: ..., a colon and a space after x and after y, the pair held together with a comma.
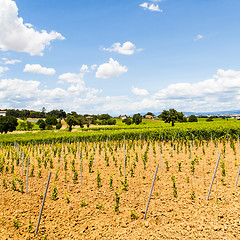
x: 189, y: 215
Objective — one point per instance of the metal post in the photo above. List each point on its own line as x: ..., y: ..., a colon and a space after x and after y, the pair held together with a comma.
x: 22, y: 162
x: 45, y: 194
x: 124, y: 159
x: 27, y: 175
x: 151, y: 192
x: 81, y: 166
x: 160, y: 155
x: 213, y: 176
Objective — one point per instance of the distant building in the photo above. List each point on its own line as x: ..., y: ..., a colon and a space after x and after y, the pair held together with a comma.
x: 123, y: 117
x: 89, y: 118
x: 3, y: 113
x: 149, y: 117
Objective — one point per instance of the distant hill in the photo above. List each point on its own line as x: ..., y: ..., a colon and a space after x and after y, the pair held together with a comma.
x: 217, y: 113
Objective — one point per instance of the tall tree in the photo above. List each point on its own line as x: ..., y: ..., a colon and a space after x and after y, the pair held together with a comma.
x: 8, y: 124
x: 137, y: 119
x: 171, y: 116
x: 71, y: 121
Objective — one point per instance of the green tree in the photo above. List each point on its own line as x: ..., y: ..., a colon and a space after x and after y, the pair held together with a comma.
x: 127, y: 121
x: 29, y: 126
x: 23, y: 125
x: 51, y: 120
x: 42, y: 124
x: 71, y: 121
x: 59, y: 124
x: 8, y: 124
x: 192, y: 118
x: 137, y: 119
x: 171, y: 116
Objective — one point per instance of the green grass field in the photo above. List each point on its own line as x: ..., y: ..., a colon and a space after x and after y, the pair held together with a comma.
x: 148, y: 128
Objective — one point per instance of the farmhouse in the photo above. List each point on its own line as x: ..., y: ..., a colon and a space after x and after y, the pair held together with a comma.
x: 3, y: 113
x: 123, y: 117
x: 149, y: 117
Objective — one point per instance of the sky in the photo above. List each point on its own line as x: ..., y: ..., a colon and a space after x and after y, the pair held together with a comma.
x: 120, y: 57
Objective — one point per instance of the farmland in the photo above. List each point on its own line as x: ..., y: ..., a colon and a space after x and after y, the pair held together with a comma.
x: 100, y: 183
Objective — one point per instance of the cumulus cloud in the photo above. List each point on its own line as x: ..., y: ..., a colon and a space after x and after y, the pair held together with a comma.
x: 37, y: 68
x: 84, y: 68
x: 71, y: 78
x: 13, y: 61
x: 20, y: 37
x: 139, y: 92
x: 221, y: 92
x: 127, y: 48
x: 3, y: 69
x: 151, y: 7
x: 17, y: 93
x: 110, y: 69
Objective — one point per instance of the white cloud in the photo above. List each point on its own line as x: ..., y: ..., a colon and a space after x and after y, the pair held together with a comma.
x: 84, y: 68
x: 71, y: 78
x: 17, y: 93
x: 221, y: 92
x: 198, y: 37
x: 110, y: 69
x: 37, y: 68
x: 20, y: 37
x: 128, y: 48
x: 94, y: 66
x: 151, y: 7
x: 13, y: 61
x: 3, y: 69
x: 139, y: 92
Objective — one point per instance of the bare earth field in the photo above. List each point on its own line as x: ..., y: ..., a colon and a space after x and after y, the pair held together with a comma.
x: 188, y: 215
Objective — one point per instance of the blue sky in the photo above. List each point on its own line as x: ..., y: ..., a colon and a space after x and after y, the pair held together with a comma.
x: 120, y: 56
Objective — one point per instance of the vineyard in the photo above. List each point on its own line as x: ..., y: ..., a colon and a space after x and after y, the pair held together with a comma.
x: 100, y: 184
x: 153, y: 129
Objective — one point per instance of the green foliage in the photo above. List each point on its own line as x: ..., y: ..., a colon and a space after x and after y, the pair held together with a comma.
x: 67, y: 198
x: 111, y: 181
x: 167, y: 165
x: 4, y: 183
x: 16, y: 223
x: 192, y: 118
x: 54, y: 193
x: 117, y: 200
x: 174, y: 186
x: 137, y: 119
x: 192, y: 195
x: 84, y: 203
x: 42, y: 124
x: 223, y: 166
x: 71, y: 121
x: 133, y: 215
x: 179, y: 166
x: 99, y: 180
x: 124, y: 184
x: 50, y: 120
x: 32, y: 171
x: 127, y: 121
x: 171, y: 116
x: 40, y: 173
x: 13, y: 184
x: 99, y: 206
x: 30, y: 226
x: 8, y: 124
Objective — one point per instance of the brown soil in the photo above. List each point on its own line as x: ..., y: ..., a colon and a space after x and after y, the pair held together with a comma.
x: 167, y: 217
